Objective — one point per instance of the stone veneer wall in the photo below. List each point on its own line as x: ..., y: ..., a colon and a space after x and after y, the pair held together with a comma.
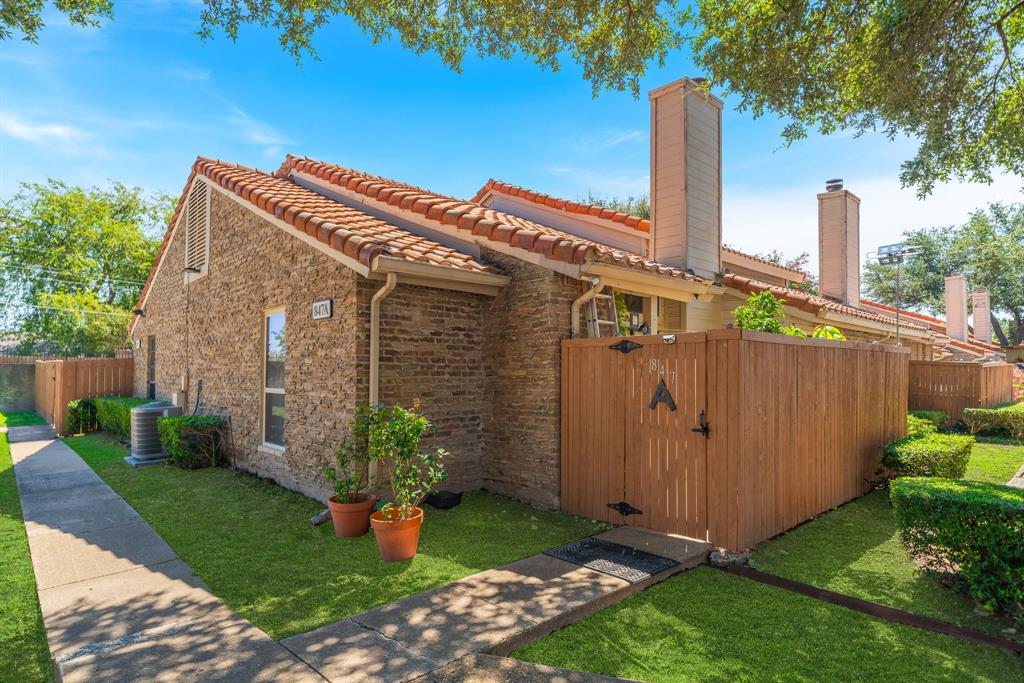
x: 254, y: 266
x: 523, y: 329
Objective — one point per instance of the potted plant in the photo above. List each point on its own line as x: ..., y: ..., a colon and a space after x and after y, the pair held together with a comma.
x: 412, y: 474
x: 352, y: 503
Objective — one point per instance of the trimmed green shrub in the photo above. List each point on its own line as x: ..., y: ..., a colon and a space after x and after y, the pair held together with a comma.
x: 81, y: 416
x: 114, y: 413
x: 931, y: 455
x: 192, y: 441
x: 936, y: 417
x: 1006, y: 420
x: 974, y: 529
x: 917, y: 426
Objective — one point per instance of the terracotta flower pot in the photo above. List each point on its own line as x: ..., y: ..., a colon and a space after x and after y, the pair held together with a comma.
x: 397, y: 539
x: 352, y: 519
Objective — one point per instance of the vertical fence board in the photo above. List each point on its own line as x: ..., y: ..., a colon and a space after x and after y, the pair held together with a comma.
x: 60, y: 381
x: 951, y: 387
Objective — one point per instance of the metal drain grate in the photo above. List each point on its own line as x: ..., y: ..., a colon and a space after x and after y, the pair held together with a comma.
x: 614, y: 559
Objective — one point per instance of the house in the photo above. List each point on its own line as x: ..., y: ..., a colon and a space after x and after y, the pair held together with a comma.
x: 283, y: 299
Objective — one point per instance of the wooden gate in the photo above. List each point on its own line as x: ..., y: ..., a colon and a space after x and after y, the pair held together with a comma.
x: 633, y: 450
x: 794, y: 427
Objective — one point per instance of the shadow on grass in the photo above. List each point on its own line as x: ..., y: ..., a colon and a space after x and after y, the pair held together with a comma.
x: 250, y: 541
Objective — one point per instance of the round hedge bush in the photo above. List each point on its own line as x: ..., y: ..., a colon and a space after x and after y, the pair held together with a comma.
x: 973, y: 528
x: 929, y: 455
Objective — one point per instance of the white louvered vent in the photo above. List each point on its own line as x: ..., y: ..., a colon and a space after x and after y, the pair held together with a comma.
x: 197, y: 227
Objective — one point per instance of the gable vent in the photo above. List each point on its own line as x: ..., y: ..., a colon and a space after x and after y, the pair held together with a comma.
x: 197, y: 226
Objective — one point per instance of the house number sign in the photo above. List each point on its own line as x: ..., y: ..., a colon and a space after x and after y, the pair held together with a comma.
x: 322, y: 309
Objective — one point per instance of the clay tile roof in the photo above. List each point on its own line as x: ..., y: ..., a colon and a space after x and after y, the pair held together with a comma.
x: 635, y: 222
x: 347, y: 230
x: 937, y: 325
x: 731, y: 250
x: 808, y: 302
x: 469, y: 216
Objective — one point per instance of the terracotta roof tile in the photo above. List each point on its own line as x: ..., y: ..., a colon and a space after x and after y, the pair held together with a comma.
x: 808, y: 302
x: 350, y: 231
x: 479, y: 220
x: 731, y: 250
x: 635, y: 222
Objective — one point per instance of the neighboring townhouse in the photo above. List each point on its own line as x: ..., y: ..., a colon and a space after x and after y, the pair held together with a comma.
x: 283, y: 299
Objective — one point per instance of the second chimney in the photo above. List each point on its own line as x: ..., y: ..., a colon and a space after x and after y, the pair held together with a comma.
x: 981, y: 306
x: 956, y: 307
x: 686, y: 177
x: 839, y: 243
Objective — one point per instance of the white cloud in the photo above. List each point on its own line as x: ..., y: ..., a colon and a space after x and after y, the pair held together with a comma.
x: 254, y: 131
x: 16, y: 127
x: 756, y: 220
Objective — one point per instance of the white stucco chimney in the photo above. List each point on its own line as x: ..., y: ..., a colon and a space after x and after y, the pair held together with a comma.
x: 956, y: 307
x: 981, y: 305
x: 839, y: 243
x: 686, y: 177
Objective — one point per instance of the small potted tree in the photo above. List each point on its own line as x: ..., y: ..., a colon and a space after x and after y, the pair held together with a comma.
x: 352, y: 504
x: 412, y: 475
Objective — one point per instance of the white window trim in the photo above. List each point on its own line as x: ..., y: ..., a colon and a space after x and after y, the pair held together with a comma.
x: 266, y: 446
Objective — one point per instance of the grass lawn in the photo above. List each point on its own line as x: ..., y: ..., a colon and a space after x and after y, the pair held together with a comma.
x: 20, y: 419
x: 856, y: 550
x: 994, y: 462
x: 250, y: 541
x: 24, y: 654
x: 706, y: 625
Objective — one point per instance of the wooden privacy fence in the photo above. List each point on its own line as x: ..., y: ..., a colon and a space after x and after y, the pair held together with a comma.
x: 951, y: 387
x: 61, y: 381
x: 728, y: 436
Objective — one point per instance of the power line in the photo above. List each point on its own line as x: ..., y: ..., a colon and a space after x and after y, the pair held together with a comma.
x: 79, y: 283
x: 71, y: 310
x: 28, y: 267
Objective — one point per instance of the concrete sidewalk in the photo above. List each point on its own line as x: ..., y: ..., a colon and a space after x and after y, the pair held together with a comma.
x: 432, y: 636
x: 117, y: 602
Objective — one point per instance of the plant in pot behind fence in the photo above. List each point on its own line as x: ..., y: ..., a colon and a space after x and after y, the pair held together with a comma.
x: 412, y: 475
x: 352, y: 503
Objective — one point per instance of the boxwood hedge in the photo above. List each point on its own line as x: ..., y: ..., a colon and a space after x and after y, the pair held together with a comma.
x: 936, y: 417
x: 81, y: 416
x: 917, y: 426
x: 192, y: 441
x: 114, y: 413
x: 975, y: 529
x: 1008, y: 420
x: 929, y: 455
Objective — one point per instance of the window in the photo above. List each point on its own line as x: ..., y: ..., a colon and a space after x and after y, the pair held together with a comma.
x: 197, y: 230
x: 151, y: 367
x: 273, y: 383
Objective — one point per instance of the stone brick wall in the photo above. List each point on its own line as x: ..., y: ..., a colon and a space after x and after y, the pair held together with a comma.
x: 431, y: 348
x: 523, y: 328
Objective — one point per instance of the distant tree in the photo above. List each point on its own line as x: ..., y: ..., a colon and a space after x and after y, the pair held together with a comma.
x: 988, y: 249
x: 639, y: 205
x: 73, y: 260
x: 799, y: 262
x: 947, y: 73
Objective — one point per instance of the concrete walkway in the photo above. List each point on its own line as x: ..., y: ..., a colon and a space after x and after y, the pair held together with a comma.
x: 118, y: 604
x: 428, y: 636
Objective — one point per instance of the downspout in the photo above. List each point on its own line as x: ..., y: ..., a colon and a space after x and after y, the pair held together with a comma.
x: 595, y: 287
x: 389, y: 286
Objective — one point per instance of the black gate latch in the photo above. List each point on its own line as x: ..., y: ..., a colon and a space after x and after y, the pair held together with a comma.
x: 704, y: 427
x: 625, y: 346
x: 624, y: 508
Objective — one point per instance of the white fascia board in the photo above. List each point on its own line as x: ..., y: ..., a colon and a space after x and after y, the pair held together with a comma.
x: 442, y: 277
x: 643, y: 282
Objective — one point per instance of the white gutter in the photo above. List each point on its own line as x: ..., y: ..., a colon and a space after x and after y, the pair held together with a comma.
x: 389, y: 286
x: 595, y: 286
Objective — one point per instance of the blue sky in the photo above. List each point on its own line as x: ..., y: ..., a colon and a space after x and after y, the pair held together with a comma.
x: 138, y: 99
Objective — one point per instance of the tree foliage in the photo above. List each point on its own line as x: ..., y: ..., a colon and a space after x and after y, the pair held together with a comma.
x: 988, y: 250
x: 73, y: 260
x: 946, y: 73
